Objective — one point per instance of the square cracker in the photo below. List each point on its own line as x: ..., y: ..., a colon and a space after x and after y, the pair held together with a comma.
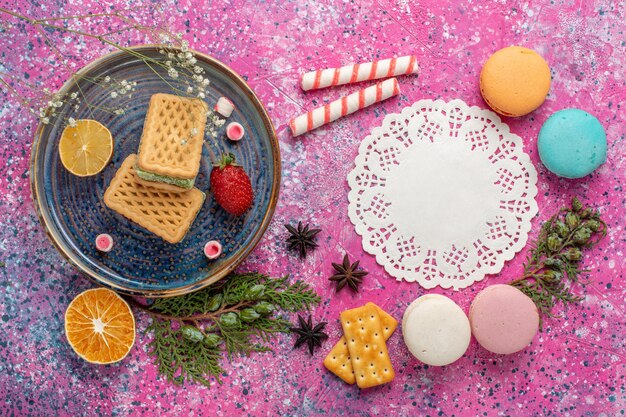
x: 168, y: 215
x: 169, y: 145
x: 338, y: 359
x: 363, y: 331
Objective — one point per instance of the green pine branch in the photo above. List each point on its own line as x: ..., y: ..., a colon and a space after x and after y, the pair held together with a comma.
x: 192, y: 333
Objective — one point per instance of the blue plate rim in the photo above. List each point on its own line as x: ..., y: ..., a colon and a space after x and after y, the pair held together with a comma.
x: 47, y: 221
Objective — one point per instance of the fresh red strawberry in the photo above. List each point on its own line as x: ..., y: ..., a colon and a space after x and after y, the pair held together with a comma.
x: 231, y: 186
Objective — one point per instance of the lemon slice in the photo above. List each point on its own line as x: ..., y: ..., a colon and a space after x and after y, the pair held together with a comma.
x: 85, y: 148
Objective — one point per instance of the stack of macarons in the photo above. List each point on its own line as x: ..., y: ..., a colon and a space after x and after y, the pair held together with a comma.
x: 515, y: 81
x: 437, y: 332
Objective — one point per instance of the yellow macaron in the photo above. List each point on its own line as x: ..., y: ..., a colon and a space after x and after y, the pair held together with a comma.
x: 515, y: 81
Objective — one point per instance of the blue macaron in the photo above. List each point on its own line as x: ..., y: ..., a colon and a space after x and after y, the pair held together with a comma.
x: 572, y: 143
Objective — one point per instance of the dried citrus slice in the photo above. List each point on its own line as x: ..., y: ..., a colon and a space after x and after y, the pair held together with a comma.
x: 100, y: 326
x: 86, y: 147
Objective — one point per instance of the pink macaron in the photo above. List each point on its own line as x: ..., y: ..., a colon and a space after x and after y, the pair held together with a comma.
x: 503, y: 319
x: 212, y: 249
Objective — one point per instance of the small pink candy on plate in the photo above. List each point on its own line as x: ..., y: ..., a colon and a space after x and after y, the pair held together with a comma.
x: 224, y: 107
x: 504, y: 320
x: 213, y: 249
x: 104, y: 242
x: 235, y: 131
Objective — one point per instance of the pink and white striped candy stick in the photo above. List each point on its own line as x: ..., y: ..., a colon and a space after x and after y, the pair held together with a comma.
x: 360, y: 72
x: 344, y: 106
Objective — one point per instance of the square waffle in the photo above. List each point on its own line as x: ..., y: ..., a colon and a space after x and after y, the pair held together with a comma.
x: 166, y: 214
x: 172, y: 139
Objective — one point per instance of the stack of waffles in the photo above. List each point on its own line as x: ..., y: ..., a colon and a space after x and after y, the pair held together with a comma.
x: 155, y: 188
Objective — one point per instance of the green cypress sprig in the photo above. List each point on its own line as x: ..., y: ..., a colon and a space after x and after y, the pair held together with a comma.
x: 181, y: 360
x: 236, y: 316
x: 554, y: 262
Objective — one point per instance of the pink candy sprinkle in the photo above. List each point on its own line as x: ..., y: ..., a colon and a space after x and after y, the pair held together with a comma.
x: 235, y: 131
x: 212, y: 249
x: 104, y: 242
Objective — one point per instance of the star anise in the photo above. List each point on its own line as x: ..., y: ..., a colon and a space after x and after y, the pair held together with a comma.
x: 313, y: 336
x: 347, y: 274
x: 301, y: 238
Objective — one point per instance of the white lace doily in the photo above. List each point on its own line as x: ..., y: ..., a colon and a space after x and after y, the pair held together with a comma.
x: 442, y: 194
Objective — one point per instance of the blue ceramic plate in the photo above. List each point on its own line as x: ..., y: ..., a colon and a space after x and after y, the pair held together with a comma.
x: 73, y: 212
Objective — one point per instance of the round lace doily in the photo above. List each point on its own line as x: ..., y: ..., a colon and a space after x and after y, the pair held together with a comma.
x: 442, y: 194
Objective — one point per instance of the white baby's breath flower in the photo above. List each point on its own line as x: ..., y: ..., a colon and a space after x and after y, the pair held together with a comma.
x: 57, y: 103
x: 197, y: 69
x: 188, y: 55
x: 114, y: 94
x: 190, y: 89
x: 172, y: 73
x: 205, y: 82
x: 107, y: 79
x: 170, y: 55
x: 45, y: 120
x: 192, y: 61
x: 73, y: 96
x: 71, y: 121
x: 201, y: 94
x: 119, y: 112
x: 76, y: 107
x: 168, y: 63
x: 124, y: 83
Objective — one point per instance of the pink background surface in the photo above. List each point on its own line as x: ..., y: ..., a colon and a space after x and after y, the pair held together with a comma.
x: 576, y: 367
